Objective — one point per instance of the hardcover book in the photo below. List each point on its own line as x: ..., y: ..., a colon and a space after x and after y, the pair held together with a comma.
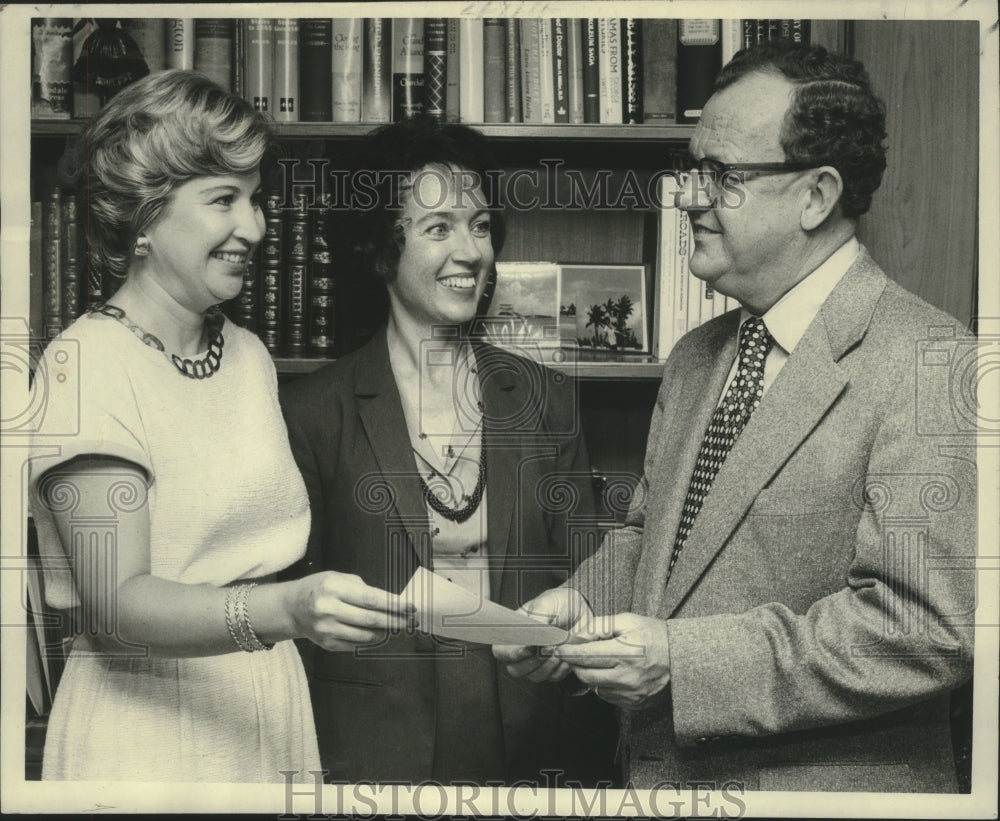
x: 315, y: 74
x: 376, y: 101
x: 407, y: 67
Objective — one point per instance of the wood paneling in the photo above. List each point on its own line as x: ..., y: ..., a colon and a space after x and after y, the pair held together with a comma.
x: 922, y: 226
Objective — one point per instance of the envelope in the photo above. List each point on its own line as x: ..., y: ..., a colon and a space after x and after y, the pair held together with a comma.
x: 445, y: 609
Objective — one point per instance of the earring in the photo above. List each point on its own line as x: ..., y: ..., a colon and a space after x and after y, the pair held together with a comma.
x: 141, y: 247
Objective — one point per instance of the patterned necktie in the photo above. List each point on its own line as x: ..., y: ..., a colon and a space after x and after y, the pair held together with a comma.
x: 728, y: 421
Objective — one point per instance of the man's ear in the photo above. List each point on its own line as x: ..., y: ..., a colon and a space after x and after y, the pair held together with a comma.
x: 824, y: 195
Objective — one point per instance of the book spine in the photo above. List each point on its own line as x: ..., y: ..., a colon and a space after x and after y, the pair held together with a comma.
x: 560, y: 70
x: 35, y: 273
x: 531, y: 108
x: 494, y: 70
x: 761, y: 30
x: 682, y: 275
x: 247, y: 308
x: 315, y: 69
x: 436, y: 66
x: 407, y: 67
x: 322, y: 293
x: 453, y: 106
x: 512, y: 68
x: 260, y: 63
x: 71, y: 302
x: 732, y: 39
x: 150, y: 35
x: 659, y: 71
x: 296, y: 298
x: 773, y: 29
x: 546, y: 81
x: 52, y: 265
x: 699, y: 58
x: 270, y: 274
x: 376, y: 102
x: 470, y: 56
x: 86, y: 103
x: 239, y: 59
x: 591, y: 71
x: 609, y: 30
x: 663, y: 290
x: 52, y: 68
x: 213, y: 49
x: 574, y: 69
x: 348, y: 40
x: 632, y: 73
x: 286, y: 70
x: 180, y: 42
x: 749, y: 33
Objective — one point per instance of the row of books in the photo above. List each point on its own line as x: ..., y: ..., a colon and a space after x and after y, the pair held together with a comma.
x: 291, y: 291
x: 484, y: 70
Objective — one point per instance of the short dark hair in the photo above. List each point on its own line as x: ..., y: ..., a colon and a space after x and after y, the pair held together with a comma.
x: 834, y: 118
x: 150, y: 138
x: 394, y: 152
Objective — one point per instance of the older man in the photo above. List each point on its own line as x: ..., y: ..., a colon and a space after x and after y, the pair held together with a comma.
x: 791, y: 591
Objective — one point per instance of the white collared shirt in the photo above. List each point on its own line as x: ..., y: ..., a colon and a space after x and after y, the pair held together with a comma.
x: 790, y: 316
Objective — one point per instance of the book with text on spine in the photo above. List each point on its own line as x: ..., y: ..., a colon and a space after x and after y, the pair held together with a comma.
x: 699, y: 58
x: 407, y: 67
x: 260, y: 63
x: 348, y: 42
x: 315, y: 75
x: 213, y: 49
x: 286, y: 70
x: 376, y: 100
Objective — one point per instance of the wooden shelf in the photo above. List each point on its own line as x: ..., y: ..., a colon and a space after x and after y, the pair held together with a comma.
x: 634, y: 367
x: 498, y: 131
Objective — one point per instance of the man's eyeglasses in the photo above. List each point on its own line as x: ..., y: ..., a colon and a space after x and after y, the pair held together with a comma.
x: 722, y: 176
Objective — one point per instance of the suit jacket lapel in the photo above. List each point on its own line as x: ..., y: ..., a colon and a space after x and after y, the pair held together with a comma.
x: 686, y: 411
x: 807, y: 386
x: 502, y: 403
x: 381, y: 412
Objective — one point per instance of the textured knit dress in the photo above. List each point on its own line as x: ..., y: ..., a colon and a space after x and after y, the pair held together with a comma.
x: 226, y: 502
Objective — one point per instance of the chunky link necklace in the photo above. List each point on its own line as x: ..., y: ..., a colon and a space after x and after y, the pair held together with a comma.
x: 191, y: 368
x: 463, y: 513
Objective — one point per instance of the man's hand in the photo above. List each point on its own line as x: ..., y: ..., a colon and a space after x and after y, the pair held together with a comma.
x: 628, y: 665
x: 563, y: 607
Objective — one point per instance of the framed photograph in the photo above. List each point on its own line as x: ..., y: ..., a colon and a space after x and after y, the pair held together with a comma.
x: 524, y: 309
x: 603, y: 307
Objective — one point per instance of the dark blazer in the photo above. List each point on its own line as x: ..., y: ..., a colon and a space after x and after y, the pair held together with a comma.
x: 375, y: 708
x: 820, y: 611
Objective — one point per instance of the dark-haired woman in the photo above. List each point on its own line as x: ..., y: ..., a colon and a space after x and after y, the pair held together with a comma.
x: 428, y: 447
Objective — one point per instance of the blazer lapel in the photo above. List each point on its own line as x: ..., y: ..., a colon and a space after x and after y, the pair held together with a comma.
x: 381, y: 412
x: 502, y: 402
x: 686, y: 416
x: 793, y: 406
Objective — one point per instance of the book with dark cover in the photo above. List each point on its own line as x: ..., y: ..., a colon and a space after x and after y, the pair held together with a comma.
x: 591, y: 72
x: 749, y: 33
x: 52, y: 68
x: 435, y: 66
x: 453, y: 94
x: 72, y: 305
x: 322, y: 293
x: 246, y: 310
x: 315, y: 69
x: 699, y: 58
x: 296, y: 297
x: 213, y: 49
x: 376, y: 101
x: 260, y: 63
x: 659, y: 71
x: 150, y: 35
x: 494, y: 70
x: 407, y: 67
x: 239, y: 59
x: 35, y: 273
x: 512, y: 67
x: 632, y: 80
x: 348, y: 36
x: 52, y: 257
x: 271, y: 257
x: 560, y: 70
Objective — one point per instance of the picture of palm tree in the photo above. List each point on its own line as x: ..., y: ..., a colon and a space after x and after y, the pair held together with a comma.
x: 608, y: 307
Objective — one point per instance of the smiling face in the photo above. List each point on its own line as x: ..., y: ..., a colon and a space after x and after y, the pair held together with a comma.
x: 751, y: 252
x: 447, y: 250
x: 200, y: 244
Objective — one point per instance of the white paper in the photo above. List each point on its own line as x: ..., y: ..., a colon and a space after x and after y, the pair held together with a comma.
x: 445, y: 609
